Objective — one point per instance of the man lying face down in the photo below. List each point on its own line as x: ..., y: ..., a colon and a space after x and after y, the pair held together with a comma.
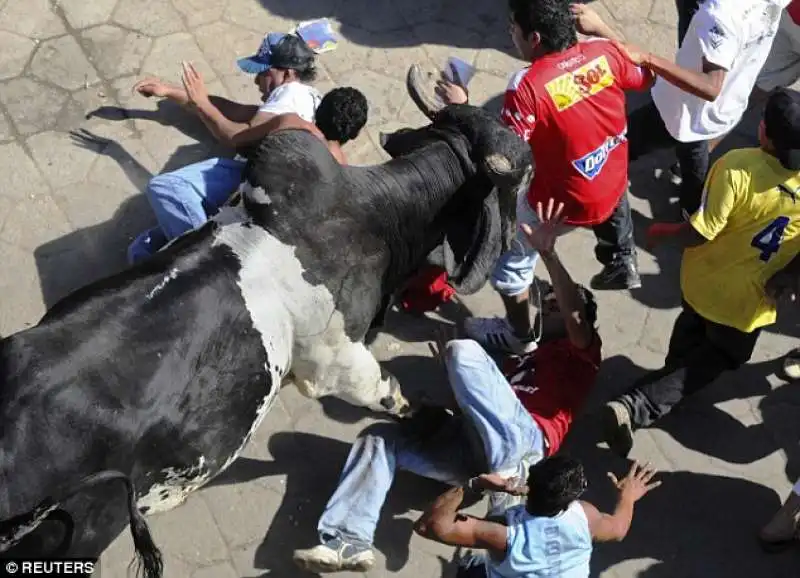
x: 339, y: 118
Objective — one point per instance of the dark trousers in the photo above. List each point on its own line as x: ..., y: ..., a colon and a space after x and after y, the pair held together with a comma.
x: 472, y: 567
x: 615, y: 235
x: 647, y: 133
x: 699, y: 352
x: 686, y: 9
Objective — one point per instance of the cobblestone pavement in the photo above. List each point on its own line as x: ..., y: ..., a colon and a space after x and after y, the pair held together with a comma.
x: 70, y: 202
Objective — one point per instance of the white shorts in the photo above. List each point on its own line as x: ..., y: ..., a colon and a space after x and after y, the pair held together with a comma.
x: 782, y: 67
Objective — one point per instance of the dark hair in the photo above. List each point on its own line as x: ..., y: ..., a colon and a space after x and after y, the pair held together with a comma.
x: 342, y: 114
x: 589, y: 302
x: 553, y: 484
x: 307, y: 74
x: 552, y: 19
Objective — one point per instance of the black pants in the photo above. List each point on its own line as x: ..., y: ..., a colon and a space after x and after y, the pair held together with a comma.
x: 615, y: 235
x: 686, y: 9
x: 647, y: 133
x: 699, y: 352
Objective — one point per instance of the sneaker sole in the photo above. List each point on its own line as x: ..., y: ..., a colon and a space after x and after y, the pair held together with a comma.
x: 617, y: 432
x: 327, y: 566
x: 616, y: 286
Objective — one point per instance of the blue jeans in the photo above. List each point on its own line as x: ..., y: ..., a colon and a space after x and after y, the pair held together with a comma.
x: 184, y: 199
x: 494, y: 433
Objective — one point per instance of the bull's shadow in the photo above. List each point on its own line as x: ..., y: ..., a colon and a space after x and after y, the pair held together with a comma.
x: 309, y: 484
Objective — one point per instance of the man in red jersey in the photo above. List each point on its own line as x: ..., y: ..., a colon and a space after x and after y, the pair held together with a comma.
x: 569, y: 104
x: 506, y: 421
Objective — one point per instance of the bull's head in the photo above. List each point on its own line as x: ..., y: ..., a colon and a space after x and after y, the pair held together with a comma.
x: 502, y: 165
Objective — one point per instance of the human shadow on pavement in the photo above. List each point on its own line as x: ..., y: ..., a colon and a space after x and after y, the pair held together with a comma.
x: 309, y: 484
x: 97, y: 251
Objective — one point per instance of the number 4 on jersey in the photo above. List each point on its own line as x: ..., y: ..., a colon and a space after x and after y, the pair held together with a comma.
x: 768, y: 240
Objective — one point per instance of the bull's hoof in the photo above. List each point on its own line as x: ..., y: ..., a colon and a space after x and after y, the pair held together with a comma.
x: 420, y: 89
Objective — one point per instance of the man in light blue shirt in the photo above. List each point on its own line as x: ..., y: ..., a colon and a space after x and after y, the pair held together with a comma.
x: 550, y: 535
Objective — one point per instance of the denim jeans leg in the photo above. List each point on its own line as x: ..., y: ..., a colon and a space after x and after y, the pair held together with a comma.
x: 184, y: 199
x: 646, y: 132
x: 507, y: 431
x: 352, y: 512
x: 615, y: 235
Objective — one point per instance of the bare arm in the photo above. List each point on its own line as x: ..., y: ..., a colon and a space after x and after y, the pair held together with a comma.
x: 443, y: 523
x: 633, y: 487
x: 229, y: 132
x: 233, y: 111
x: 570, y: 303
x: 682, y: 235
x: 706, y: 84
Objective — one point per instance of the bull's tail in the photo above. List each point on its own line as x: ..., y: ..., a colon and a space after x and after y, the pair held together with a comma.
x: 148, y: 556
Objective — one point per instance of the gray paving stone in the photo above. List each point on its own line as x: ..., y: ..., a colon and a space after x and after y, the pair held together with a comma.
x: 15, y: 51
x: 21, y: 177
x: 114, y: 51
x: 370, y: 15
x: 197, y: 12
x: 62, y: 161
x: 151, y: 17
x: 62, y: 62
x: 225, y: 570
x: 21, y: 287
x: 82, y: 14
x: 222, y: 43
x: 394, y: 59
x: 32, y: 18
x: 167, y: 54
x: 446, y: 40
x: 33, y: 221
x: 189, y: 533
x: 386, y: 96
x: 245, y: 518
x: 254, y: 16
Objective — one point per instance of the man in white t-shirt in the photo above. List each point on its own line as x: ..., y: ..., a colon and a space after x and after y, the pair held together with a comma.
x: 705, y: 96
x: 184, y: 199
x: 782, y: 67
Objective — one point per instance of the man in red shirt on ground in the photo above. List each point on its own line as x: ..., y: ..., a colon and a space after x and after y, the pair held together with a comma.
x: 505, y: 422
x: 569, y: 104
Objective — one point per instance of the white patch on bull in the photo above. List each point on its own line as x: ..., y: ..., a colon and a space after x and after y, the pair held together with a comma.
x: 173, y: 274
x: 176, y: 486
x: 300, y: 327
x: 9, y: 540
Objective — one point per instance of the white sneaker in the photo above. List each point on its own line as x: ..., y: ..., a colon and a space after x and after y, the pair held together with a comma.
x: 496, y: 333
x: 323, y: 558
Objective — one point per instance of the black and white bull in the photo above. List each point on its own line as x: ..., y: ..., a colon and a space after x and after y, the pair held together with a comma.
x: 156, y: 377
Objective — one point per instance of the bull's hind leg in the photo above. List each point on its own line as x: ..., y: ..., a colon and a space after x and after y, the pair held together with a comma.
x: 352, y: 373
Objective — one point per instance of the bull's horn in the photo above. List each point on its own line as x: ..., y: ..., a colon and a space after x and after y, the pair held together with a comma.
x: 420, y: 93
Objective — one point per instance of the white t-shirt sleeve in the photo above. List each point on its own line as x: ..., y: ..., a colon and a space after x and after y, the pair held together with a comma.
x: 294, y: 97
x: 720, y: 38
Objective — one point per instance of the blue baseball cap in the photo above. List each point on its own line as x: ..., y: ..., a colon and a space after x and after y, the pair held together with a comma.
x: 278, y: 50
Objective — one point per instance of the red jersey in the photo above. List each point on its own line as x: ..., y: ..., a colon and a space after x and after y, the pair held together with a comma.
x: 570, y: 106
x: 553, y: 382
x: 794, y: 11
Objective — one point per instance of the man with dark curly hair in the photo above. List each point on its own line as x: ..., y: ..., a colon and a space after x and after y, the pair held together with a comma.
x: 569, y: 105
x: 550, y: 535
x: 339, y: 118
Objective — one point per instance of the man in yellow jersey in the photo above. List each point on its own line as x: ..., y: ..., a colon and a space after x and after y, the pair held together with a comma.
x: 746, y: 229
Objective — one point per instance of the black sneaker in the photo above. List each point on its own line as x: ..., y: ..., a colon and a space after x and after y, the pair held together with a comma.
x: 617, y: 276
x: 617, y: 428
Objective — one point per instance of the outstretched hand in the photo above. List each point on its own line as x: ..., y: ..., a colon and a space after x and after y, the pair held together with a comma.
x: 452, y: 91
x: 543, y: 235
x: 151, y: 86
x: 637, y: 483
x: 194, y: 85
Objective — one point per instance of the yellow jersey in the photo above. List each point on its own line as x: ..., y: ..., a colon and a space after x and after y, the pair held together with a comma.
x: 750, y: 216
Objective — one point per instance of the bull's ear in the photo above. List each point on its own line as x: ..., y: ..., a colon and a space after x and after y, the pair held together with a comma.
x: 400, y: 142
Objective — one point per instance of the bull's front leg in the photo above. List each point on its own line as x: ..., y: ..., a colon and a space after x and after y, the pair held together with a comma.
x: 352, y: 373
